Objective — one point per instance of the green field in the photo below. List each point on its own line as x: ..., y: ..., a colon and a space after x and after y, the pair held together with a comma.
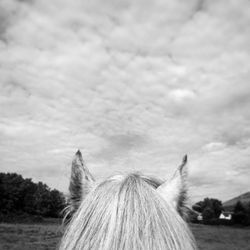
x: 47, y: 236
x: 221, y: 237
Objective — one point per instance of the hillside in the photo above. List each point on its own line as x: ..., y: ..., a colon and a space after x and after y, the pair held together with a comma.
x: 244, y: 198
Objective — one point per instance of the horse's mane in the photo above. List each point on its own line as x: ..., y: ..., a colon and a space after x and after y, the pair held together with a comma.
x: 127, y: 212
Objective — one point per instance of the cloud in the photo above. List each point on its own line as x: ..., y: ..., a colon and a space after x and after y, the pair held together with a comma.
x: 134, y: 84
x: 181, y: 95
x: 214, y: 146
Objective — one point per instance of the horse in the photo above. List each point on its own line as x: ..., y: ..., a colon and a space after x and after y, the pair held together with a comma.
x: 129, y: 212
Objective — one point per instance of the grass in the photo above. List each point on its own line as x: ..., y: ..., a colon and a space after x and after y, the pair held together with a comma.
x: 221, y: 237
x: 47, y: 237
x: 29, y: 237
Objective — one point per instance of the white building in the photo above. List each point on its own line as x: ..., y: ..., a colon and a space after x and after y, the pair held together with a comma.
x: 199, y: 217
x: 226, y: 216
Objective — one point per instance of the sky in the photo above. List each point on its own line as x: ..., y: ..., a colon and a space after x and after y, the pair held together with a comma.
x: 134, y: 85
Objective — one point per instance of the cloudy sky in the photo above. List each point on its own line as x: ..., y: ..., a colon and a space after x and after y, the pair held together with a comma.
x: 134, y: 84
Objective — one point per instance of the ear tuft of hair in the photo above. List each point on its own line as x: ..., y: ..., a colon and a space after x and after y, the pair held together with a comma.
x: 174, y: 191
x: 79, y: 153
x: 184, y: 162
x: 81, y: 182
x: 183, y: 193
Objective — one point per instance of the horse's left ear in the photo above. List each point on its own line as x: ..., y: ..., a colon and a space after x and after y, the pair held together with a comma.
x: 81, y: 181
x: 174, y: 191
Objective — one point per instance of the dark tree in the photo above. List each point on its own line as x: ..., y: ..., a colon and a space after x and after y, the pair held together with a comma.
x: 199, y: 206
x: 240, y: 214
x: 239, y: 208
x: 208, y: 214
x: 248, y: 214
x: 22, y: 196
x: 213, y: 206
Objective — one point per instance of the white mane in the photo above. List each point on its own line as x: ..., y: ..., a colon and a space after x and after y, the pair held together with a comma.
x: 127, y: 212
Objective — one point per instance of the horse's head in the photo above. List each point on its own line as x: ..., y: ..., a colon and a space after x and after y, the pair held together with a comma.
x: 127, y: 212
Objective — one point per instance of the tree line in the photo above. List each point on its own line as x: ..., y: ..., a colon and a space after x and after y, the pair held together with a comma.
x: 20, y: 196
x: 23, y: 196
x: 211, y: 209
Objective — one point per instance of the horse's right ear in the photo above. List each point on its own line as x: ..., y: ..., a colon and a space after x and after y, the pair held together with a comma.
x: 81, y: 182
x: 174, y: 191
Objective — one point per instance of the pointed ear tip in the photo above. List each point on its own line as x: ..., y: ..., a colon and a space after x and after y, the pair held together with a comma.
x: 77, y: 156
x: 78, y: 153
x: 185, y: 158
x: 184, y: 162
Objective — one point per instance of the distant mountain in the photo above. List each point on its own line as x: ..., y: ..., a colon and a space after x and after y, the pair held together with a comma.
x: 230, y: 204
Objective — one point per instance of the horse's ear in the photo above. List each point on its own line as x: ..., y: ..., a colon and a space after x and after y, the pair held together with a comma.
x: 174, y: 191
x: 81, y: 181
